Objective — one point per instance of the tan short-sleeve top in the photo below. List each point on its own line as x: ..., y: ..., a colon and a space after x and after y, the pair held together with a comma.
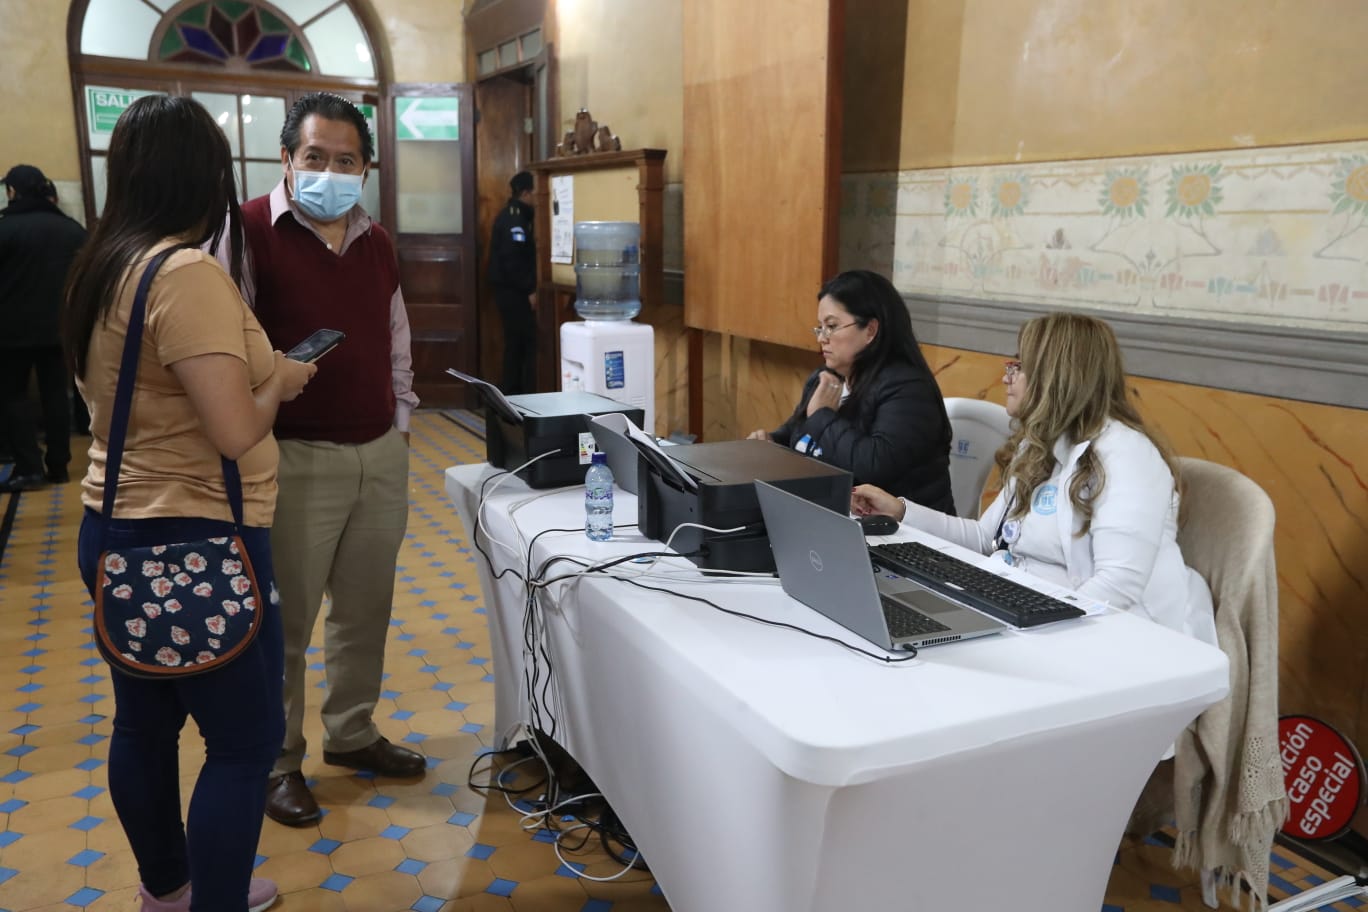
x: 169, y: 466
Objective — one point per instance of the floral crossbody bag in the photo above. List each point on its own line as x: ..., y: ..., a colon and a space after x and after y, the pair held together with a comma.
x: 179, y: 608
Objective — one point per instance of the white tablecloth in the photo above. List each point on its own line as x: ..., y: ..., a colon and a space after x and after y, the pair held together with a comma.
x: 760, y: 769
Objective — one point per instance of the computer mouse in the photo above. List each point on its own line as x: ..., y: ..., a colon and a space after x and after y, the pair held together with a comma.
x: 878, y: 524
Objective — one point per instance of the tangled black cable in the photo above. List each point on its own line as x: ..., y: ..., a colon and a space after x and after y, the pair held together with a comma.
x: 495, y: 778
x: 887, y: 659
x: 606, y: 824
x: 596, y: 815
x: 536, y: 581
x: 475, y: 533
x: 610, y: 830
x: 539, y: 696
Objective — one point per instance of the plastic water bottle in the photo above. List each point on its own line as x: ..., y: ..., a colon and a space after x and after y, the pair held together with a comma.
x: 607, y: 270
x: 598, y: 499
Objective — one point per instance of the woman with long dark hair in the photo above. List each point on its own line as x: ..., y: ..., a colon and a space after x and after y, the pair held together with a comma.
x: 207, y: 385
x: 874, y: 407
x: 1090, y: 495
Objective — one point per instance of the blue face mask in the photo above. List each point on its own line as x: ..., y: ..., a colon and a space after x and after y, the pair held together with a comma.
x: 326, y: 195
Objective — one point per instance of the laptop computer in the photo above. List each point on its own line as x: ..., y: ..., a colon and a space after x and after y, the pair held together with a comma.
x: 824, y: 563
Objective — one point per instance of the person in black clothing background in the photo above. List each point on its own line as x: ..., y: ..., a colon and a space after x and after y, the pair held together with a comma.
x: 37, y: 245
x: 80, y: 415
x: 874, y: 409
x: 513, y: 275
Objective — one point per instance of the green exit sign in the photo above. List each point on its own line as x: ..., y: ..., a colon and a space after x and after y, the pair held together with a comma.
x: 103, y: 106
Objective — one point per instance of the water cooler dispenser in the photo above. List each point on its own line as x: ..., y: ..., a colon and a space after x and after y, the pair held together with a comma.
x: 607, y: 352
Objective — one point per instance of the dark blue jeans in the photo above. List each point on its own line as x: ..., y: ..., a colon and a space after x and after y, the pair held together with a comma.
x: 240, y: 714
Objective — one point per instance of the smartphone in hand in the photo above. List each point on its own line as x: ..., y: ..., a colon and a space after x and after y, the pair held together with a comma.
x: 316, y: 346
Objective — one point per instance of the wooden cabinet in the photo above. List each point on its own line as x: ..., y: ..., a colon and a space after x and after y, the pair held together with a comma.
x: 762, y: 141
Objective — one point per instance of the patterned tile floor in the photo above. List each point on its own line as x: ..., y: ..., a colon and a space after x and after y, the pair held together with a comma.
x: 383, y: 845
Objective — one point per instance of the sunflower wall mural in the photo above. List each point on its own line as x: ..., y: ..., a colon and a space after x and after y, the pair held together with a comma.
x: 1274, y: 236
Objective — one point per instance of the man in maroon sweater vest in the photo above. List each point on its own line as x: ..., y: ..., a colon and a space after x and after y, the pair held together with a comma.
x: 316, y: 260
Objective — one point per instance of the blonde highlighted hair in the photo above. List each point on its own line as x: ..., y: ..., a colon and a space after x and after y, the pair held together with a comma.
x: 1075, y: 384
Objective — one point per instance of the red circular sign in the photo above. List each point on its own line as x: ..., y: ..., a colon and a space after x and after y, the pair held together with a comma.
x: 1323, y: 775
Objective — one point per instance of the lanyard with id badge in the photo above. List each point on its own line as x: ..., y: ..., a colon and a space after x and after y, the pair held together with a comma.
x: 1009, y: 530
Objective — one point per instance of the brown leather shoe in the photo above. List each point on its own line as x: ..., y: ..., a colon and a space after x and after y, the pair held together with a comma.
x: 289, y: 801
x: 382, y: 758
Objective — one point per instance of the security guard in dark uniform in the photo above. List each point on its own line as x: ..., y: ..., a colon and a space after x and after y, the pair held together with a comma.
x: 513, y: 275
x: 38, y: 243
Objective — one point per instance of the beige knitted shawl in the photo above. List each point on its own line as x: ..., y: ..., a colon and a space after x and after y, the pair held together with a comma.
x: 1228, y: 782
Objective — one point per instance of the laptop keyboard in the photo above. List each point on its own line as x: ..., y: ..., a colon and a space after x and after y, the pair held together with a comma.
x: 904, y: 622
x: 1018, y: 605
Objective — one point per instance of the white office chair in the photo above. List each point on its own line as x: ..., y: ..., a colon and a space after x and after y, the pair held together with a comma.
x: 979, y: 428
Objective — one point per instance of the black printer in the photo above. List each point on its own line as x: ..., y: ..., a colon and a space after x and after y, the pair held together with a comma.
x: 544, y: 422
x: 724, y: 497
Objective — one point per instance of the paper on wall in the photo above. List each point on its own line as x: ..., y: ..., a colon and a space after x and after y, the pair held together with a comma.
x: 563, y: 218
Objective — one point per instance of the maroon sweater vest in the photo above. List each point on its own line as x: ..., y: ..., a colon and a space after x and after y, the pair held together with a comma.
x: 302, y: 286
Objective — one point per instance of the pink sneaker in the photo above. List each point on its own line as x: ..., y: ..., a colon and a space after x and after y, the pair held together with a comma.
x: 261, y: 893
x: 150, y: 903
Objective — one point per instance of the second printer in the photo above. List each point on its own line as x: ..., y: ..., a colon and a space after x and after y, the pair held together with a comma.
x: 712, y: 484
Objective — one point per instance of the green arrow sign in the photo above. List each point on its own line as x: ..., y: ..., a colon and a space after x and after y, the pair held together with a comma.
x: 103, y: 106
x: 427, y: 119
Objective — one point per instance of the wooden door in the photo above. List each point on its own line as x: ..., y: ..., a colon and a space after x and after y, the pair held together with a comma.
x: 430, y: 145
x: 503, y: 148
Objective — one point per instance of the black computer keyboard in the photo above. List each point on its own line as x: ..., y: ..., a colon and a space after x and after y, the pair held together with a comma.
x: 1018, y: 605
x: 905, y: 623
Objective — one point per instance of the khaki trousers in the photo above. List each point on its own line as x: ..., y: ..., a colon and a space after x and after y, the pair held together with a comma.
x: 339, y: 522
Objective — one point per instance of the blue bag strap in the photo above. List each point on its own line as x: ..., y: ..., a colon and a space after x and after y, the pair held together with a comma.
x: 123, y: 399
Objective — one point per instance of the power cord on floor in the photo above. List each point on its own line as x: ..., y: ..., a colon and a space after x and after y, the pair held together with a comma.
x: 597, y: 819
x: 627, y: 868
x: 496, y: 778
x: 613, y: 830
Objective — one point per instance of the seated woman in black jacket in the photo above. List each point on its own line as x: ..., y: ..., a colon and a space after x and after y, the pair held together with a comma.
x: 875, y: 408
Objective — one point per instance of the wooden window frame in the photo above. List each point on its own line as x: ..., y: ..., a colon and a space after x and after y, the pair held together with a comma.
x: 183, y: 79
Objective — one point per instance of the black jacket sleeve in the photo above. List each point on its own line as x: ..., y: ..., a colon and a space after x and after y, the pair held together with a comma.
x: 785, y: 433
x: 895, y: 435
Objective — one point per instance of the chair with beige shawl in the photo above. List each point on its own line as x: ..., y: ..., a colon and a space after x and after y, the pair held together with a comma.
x: 1228, y: 797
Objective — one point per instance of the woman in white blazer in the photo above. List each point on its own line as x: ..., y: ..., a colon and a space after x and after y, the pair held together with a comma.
x: 1089, y: 497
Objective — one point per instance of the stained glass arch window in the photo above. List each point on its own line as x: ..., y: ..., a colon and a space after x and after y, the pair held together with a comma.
x: 246, y: 61
x: 319, y: 37
x: 218, y: 32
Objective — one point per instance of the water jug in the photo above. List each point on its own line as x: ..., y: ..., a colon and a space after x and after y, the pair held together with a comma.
x: 608, y: 270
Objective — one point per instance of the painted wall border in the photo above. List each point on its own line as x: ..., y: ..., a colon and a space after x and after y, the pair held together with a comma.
x: 1307, y: 365
x: 1287, y: 362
